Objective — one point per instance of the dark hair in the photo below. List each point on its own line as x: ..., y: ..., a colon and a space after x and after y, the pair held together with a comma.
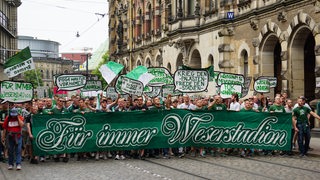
x: 235, y: 95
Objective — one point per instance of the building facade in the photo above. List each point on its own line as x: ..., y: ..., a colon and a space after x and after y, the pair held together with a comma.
x: 279, y: 38
x: 45, y: 54
x: 8, y: 31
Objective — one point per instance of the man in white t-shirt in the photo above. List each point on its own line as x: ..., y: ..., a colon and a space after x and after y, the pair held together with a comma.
x: 187, y: 104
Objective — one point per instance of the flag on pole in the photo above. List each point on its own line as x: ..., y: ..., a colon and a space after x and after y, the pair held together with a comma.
x: 110, y: 70
x: 19, y: 63
x: 141, y: 74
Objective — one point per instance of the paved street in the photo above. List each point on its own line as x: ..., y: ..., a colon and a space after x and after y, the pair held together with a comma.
x: 231, y: 167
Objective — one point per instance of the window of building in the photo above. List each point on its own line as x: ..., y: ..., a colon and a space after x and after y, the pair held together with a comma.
x: 191, y: 5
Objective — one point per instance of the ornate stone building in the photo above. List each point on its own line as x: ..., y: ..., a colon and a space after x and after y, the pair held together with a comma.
x: 279, y: 38
x: 8, y: 31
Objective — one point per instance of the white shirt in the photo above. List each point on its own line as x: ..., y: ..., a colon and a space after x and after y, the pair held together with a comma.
x: 305, y: 105
x: 235, y: 106
x: 185, y: 106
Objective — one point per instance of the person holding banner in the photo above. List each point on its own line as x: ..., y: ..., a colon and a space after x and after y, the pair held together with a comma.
x: 234, y: 104
x: 60, y: 109
x: 301, y: 124
x: 12, y: 134
x: 186, y: 104
x: 217, y: 104
x: 277, y: 106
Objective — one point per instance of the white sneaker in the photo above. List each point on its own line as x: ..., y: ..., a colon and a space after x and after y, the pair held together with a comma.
x: 18, y: 167
x: 97, y: 157
x: 117, y: 157
x: 104, y: 157
x: 109, y: 155
x: 122, y: 157
x: 42, y: 159
x: 10, y: 167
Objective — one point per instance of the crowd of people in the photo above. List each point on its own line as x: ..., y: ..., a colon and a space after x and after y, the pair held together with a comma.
x: 16, y: 123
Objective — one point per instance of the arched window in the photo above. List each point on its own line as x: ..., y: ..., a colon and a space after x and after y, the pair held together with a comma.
x: 149, y: 17
x: 42, y: 75
x: 191, y: 4
x: 244, y: 59
x: 48, y: 75
x: 148, y: 63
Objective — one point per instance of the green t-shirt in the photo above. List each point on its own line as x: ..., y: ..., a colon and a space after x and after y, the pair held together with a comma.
x: 85, y: 110
x: 219, y: 107
x: 63, y: 110
x: 247, y: 110
x: 277, y: 108
x: 46, y: 110
x: 301, y: 113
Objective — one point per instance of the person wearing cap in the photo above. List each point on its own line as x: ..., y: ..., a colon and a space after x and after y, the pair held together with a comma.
x: 12, y: 126
x: 301, y: 123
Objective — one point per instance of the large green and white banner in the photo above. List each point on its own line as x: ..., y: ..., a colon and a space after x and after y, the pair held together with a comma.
x: 56, y: 134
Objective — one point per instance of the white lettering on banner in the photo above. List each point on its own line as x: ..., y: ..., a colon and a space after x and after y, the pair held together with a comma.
x: 181, y: 130
x: 125, y: 137
x: 61, y: 134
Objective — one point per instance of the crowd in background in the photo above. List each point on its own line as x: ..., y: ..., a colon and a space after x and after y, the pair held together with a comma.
x: 17, y: 137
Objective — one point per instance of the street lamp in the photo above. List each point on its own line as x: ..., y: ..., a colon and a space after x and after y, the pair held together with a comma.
x: 87, y: 55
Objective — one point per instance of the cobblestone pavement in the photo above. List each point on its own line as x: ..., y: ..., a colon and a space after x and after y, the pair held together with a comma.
x: 230, y: 167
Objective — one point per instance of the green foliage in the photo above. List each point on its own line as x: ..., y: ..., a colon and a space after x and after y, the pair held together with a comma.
x: 31, y: 77
x: 104, y: 60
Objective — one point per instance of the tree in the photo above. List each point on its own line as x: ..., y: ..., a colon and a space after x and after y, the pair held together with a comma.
x: 33, y: 76
x: 105, y: 59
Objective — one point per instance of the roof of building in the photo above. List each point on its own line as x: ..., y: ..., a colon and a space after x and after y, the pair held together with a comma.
x: 96, y: 57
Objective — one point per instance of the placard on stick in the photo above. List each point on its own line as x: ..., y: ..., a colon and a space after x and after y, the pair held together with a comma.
x: 131, y: 86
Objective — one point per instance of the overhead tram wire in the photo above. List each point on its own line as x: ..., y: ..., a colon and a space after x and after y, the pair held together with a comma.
x: 59, y: 7
x: 83, y: 32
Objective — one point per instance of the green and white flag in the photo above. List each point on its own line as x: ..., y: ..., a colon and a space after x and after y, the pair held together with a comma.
x: 19, y: 63
x: 110, y: 70
x: 140, y: 73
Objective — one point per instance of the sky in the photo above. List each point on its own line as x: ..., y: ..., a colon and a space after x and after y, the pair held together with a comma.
x: 60, y: 20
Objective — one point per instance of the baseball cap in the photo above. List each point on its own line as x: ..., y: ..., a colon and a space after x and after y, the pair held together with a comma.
x: 14, y: 112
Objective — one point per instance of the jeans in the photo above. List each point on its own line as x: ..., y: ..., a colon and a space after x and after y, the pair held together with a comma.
x: 15, y: 146
x: 303, y: 134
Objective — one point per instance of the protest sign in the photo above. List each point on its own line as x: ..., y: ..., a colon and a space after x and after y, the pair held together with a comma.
x: 272, y: 80
x: 16, y: 92
x: 131, y: 86
x: 191, y: 80
x: 246, y: 86
x: 70, y: 82
x: 92, y: 85
x: 154, y: 91
x: 169, y: 89
x: 111, y: 93
x: 228, y: 78
x: 262, y: 85
x: 226, y: 90
x: 161, y: 76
